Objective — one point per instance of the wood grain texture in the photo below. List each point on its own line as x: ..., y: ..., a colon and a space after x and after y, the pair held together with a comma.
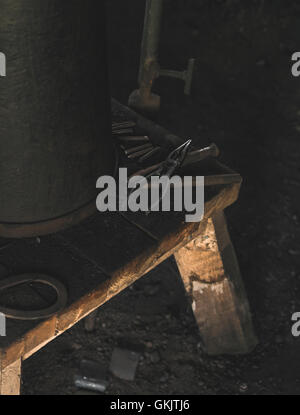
x: 10, y: 379
x: 212, y: 279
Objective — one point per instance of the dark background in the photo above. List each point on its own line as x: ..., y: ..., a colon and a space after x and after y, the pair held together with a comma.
x: 245, y: 99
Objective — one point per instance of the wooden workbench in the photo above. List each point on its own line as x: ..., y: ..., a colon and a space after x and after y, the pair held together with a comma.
x: 107, y: 253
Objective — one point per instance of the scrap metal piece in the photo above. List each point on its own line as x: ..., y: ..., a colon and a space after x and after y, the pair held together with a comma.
x: 133, y: 150
x: 202, y: 154
x: 92, y: 376
x: 124, y: 363
x: 123, y: 124
x: 138, y: 154
x: 134, y: 139
x: 123, y: 131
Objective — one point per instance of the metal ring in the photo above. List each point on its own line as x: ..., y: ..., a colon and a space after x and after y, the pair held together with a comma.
x: 13, y: 281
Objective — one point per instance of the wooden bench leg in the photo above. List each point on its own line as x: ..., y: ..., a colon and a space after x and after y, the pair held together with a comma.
x: 10, y: 379
x: 210, y: 272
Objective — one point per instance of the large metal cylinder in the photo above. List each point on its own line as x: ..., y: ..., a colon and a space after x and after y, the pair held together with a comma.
x: 55, y: 123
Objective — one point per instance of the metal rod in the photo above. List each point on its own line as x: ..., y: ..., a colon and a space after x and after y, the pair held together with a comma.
x: 123, y: 131
x: 123, y: 124
x: 149, y: 67
x: 200, y: 155
x: 134, y: 139
x: 138, y: 154
x: 139, y: 148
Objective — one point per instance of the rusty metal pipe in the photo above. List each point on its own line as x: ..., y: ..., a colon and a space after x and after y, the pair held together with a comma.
x: 133, y: 150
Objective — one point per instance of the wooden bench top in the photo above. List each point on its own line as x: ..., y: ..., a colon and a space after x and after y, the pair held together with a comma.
x: 99, y: 258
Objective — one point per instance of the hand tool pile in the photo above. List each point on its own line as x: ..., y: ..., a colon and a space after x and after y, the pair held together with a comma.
x: 143, y: 158
x: 135, y: 147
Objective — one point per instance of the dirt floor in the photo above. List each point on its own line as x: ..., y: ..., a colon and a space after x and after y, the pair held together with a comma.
x: 245, y: 99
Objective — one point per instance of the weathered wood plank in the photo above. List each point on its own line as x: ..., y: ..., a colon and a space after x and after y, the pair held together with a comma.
x: 212, y: 279
x: 10, y: 379
x: 161, y: 225
x: 89, y: 288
